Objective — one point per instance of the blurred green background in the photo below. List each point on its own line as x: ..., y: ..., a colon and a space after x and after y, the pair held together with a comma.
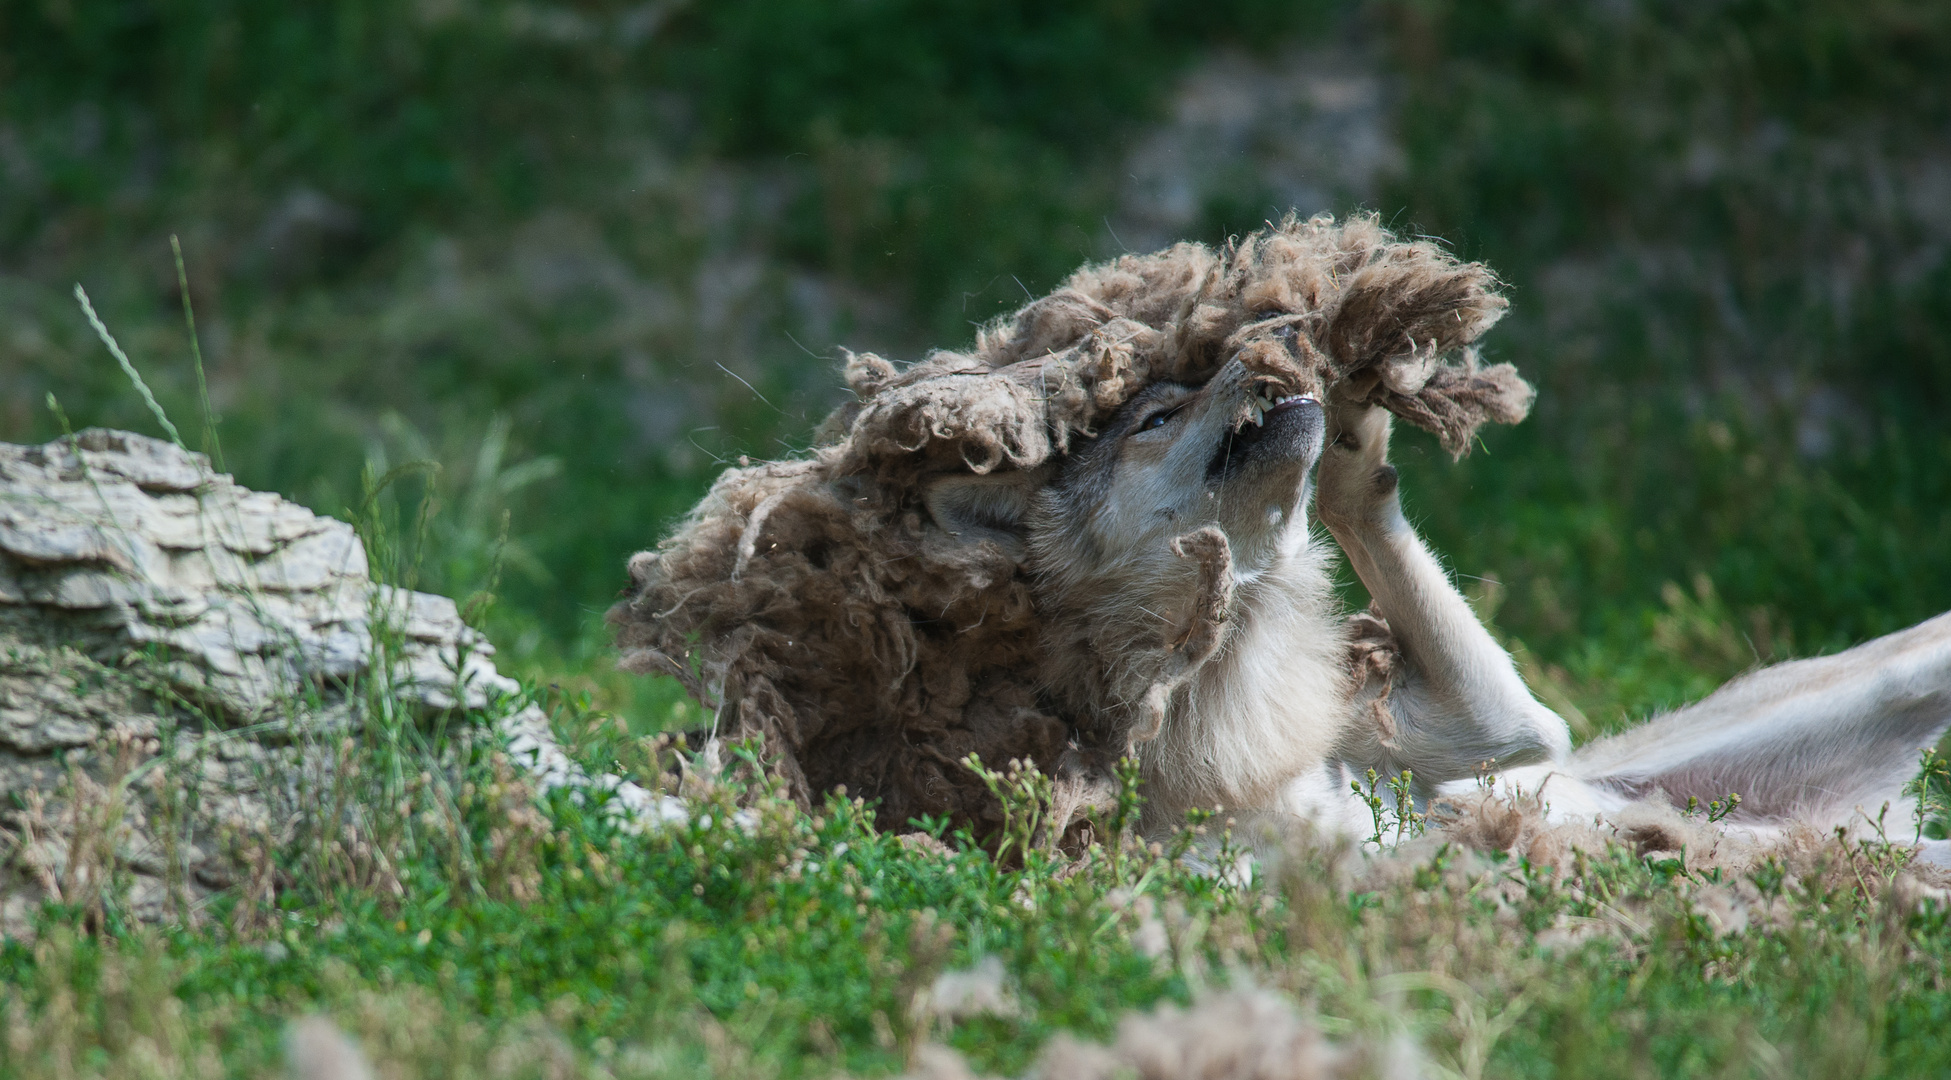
x: 580, y: 254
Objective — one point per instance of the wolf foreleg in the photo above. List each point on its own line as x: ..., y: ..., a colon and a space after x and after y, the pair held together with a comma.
x: 1457, y: 702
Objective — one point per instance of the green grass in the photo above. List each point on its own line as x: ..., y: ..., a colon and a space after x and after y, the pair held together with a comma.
x: 559, y: 231
x: 797, y: 945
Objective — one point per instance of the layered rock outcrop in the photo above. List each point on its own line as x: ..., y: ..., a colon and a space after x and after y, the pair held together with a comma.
x: 178, y: 653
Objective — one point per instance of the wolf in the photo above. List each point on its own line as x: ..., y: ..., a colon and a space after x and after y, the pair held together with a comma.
x: 1187, y: 596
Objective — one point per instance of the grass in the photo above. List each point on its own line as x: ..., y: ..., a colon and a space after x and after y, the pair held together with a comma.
x: 547, y: 248
x: 758, y: 940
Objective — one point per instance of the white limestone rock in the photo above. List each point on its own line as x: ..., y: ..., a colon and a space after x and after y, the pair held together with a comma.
x: 224, y: 637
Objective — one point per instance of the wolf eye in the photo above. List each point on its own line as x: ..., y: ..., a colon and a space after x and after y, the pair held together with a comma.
x: 1158, y: 419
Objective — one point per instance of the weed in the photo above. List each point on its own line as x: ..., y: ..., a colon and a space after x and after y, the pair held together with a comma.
x: 1025, y: 795
x: 1398, y: 811
x: 1717, y: 809
x: 74, y: 852
x: 1931, y: 787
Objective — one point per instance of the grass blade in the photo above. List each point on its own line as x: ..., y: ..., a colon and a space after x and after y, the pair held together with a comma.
x: 211, y: 444
x: 128, y: 368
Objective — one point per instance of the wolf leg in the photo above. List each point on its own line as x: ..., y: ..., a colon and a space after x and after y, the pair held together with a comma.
x: 1458, y: 702
x: 1828, y: 740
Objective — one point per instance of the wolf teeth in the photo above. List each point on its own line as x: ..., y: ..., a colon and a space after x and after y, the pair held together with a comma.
x: 1263, y: 403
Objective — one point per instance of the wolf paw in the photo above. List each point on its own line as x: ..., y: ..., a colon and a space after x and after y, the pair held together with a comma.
x: 1356, y: 485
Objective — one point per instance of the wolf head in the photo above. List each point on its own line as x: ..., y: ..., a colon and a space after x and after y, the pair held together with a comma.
x: 1185, y: 607
x: 1234, y: 455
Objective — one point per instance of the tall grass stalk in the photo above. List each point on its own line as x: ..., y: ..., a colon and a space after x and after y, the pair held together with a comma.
x: 211, y: 444
x: 122, y: 358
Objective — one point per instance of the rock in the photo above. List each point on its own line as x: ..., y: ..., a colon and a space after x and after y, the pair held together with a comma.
x: 126, y: 542
x: 178, y: 653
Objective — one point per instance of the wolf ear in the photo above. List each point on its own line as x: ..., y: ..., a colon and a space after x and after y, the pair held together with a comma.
x: 992, y: 507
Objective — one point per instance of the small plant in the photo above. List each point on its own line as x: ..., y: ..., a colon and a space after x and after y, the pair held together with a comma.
x: 1931, y: 787
x: 1409, y: 822
x: 1121, y: 827
x: 1396, y: 812
x: 1025, y: 794
x: 1717, y: 809
x: 74, y: 850
x: 1371, y: 797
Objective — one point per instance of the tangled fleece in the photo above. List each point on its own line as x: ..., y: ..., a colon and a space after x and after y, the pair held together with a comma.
x: 814, y: 603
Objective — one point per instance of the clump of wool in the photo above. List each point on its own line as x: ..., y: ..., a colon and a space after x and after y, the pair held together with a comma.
x: 815, y: 603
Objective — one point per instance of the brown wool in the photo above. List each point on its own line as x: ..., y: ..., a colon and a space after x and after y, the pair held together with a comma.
x: 814, y: 602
